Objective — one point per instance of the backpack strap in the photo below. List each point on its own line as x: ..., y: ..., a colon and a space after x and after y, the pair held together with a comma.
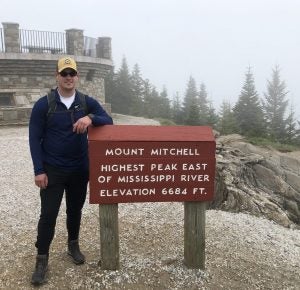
x: 51, y: 103
x: 82, y: 99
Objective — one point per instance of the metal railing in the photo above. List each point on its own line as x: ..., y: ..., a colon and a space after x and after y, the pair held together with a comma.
x: 34, y: 41
x: 2, y: 43
x: 42, y: 41
x: 90, y: 46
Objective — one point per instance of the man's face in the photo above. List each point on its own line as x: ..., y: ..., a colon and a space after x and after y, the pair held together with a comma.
x: 67, y: 79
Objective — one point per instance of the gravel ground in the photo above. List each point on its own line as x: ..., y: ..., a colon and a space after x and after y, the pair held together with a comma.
x: 242, y: 251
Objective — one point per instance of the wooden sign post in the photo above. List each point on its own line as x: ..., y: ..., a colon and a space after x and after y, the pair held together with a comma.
x: 152, y: 164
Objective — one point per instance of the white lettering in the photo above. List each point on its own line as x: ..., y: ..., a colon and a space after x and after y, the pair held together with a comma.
x: 175, y: 151
x: 146, y: 178
x: 174, y: 191
x: 126, y: 192
x: 124, y: 152
x: 104, y: 179
x: 163, y: 167
x: 199, y: 190
x: 191, y: 177
x: 197, y: 166
x: 121, y: 167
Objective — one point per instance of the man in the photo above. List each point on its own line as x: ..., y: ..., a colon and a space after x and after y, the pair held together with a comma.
x: 59, y: 150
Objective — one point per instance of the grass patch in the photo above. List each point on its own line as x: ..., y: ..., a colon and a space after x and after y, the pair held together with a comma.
x: 166, y: 122
x: 281, y: 147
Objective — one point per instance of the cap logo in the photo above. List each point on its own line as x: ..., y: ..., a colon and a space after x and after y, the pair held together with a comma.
x: 66, y: 62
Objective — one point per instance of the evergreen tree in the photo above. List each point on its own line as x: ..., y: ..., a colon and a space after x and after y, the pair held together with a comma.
x: 275, y: 105
x: 227, y: 123
x: 204, y: 106
x: 213, y: 117
x: 163, y: 107
x: 248, y: 111
x: 122, y: 98
x: 291, y: 127
x: 176, y: 110
x: 147, y: 98
x: 191, y: 104
x: 109, y: 84
x: 297, y: 137
x: 137, y: 91
x: 153, y: 104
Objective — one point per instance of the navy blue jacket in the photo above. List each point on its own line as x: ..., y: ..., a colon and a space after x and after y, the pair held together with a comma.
x: 51, y: 138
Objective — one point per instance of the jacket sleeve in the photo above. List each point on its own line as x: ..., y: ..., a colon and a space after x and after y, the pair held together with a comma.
x: 37, y: 123
x: 96, y: 112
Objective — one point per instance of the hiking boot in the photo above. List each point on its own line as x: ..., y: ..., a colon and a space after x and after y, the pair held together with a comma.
x: 41, y: 267
x: 74, y: 252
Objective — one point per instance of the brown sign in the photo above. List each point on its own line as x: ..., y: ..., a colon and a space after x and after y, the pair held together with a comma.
x: 151, y: 163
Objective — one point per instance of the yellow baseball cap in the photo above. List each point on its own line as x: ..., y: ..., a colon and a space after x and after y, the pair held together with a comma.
x: 66, y: 62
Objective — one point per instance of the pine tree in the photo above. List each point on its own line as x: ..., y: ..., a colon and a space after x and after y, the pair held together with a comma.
x: 176, y: 110
x: 153, y: 103
x: 275, y: 105
x: 248, y: 111
x: 163, y: 106
x: 213, y: 117
x: 147, y: 98
x: 137, y: 91
x: 297, y: 137
x: 291, y: 127
x: 204, y: 106
x: 227, y: 123
x: 191, y: 104
x: 109, y: 83
x: 122, y: 98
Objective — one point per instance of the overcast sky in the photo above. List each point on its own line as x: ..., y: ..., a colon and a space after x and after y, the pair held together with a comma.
x: 212, y: 40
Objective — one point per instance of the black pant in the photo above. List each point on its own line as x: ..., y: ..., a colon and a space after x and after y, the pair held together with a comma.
x: 74, y: 184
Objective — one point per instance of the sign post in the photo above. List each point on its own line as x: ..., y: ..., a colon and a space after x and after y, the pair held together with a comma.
x: 131, y: 163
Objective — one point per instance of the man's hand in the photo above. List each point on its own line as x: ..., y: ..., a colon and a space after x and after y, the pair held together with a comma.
x: 41, y: 180
x: 81, y: 125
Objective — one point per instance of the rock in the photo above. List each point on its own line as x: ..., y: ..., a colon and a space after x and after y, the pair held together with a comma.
x: 260, y: 181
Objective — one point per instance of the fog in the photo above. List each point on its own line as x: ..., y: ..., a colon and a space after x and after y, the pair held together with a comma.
x: 215, y: 41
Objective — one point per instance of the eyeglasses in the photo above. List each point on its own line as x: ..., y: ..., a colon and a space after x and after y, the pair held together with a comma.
x: 71, y: 73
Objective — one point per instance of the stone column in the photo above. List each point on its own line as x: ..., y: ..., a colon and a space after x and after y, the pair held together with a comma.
x: 11, y: 36
x: 74, y: 38
x: 104, y: 47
